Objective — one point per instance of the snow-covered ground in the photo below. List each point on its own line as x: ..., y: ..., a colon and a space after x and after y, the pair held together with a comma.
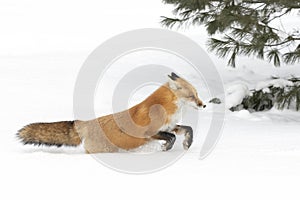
x: 257, y: 157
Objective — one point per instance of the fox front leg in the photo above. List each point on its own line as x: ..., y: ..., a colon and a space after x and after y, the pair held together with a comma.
x: 188, y: 134
x: 169, y: 139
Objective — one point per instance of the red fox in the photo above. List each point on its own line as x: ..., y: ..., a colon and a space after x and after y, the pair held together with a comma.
x: 155, y: 118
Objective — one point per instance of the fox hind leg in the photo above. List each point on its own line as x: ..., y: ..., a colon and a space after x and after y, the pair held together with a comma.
x: 169, y: 139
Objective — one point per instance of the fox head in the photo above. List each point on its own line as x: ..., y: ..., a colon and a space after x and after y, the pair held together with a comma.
x: 184, y: 91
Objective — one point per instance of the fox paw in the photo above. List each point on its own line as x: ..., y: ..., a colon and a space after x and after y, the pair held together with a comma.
x: 169, y: 143
x: 188, y: 138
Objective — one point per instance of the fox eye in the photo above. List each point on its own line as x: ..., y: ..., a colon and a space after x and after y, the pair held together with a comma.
x: 191, y: 96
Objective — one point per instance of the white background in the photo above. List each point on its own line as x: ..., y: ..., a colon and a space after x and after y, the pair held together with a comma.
x: 42, y: 47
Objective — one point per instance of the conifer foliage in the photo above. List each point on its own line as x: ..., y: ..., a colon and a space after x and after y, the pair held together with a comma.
x: 287, y: 97
x: 242, y: 27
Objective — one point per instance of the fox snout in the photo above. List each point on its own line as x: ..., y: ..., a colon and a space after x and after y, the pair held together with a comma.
x: 200, y: 104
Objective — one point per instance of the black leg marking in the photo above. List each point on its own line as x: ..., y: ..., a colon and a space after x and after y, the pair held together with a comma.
x: 168, y: 137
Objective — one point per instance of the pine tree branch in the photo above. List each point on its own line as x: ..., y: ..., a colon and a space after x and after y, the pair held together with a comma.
x: 245, y: 23
x: 282, y: 43
x: 278, y: 16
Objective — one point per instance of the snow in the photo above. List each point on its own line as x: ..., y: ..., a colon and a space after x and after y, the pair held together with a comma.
x: 266, y: 90
x: 254, y: 146
x: 41, y: 53
x: 235, y: 94
x: 280, y: 83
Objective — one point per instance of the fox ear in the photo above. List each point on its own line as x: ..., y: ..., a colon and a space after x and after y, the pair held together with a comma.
x: 173, y: 76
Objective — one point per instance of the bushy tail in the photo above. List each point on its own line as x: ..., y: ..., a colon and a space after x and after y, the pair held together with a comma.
x: 56, y: 133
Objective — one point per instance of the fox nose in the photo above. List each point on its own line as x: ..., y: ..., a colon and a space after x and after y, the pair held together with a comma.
x: 201, y: 105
